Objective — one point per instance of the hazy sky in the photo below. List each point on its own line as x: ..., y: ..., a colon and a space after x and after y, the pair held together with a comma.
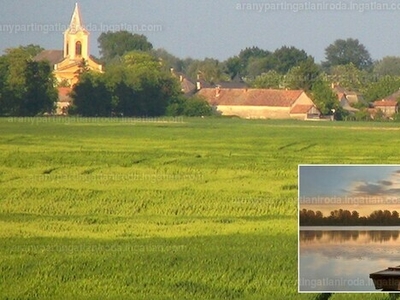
x: 361, y: 188
x: 205, y: 28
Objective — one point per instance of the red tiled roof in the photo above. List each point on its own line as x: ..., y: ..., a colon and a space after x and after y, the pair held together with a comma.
x: 250, y: 97
x: 341, y: 95
x: 63, y: 94
x: 385, y: 102
x: 301, y: 108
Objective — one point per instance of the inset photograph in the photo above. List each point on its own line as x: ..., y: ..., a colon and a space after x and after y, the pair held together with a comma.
x: 349, y: 228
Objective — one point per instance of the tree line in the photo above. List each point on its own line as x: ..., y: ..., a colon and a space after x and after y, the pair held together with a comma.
x: 344, y: 217
x: 137, y: 86
x: 138, y: 81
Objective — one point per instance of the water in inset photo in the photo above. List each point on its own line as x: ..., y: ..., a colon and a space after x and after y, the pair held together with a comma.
x: 348, y: 226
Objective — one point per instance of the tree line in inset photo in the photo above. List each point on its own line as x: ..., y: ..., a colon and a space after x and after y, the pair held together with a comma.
x: 344, y: 217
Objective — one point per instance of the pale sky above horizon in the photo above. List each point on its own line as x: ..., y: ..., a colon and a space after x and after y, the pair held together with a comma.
x: 362, y: 188
x: 217, y: 29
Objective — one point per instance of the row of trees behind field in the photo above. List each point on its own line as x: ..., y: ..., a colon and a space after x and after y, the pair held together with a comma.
x: 138, y: 81
x: 344, y: 217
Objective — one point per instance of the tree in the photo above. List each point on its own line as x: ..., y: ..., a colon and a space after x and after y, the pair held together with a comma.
x: 209, y: 70
x: 167, y: 60
x: 288, y: 57
x: 32, y: 49
x: 17, y: 63
x: 40, y: 94
x: 256, y: 66
x: 323, y: 97
x: 116, y: 44
x: 383, y: 87
x: 302, y: 76
x: 195, y: 106
x: 343, y: 52
x: 349, y: 77
x: 252, y: 52
x: 234, y: 66
x: 91, y: 96
x: 269, y: 80
x: 83, y: 67
x: 140, y: 86
x: 387, y: 66
x: 394, y: 217
x: 252, y: 62
x: 27, y: 87
x: 239, y: 65
x: 319, y: 215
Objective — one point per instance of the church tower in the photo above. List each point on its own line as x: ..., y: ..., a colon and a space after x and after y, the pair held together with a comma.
x: 69, y: 62
x: 75, y: 52
x: 76, y: 38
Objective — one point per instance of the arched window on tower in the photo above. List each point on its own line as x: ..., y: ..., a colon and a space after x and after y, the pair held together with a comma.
x: 78, y: 48
x: 67, y: 49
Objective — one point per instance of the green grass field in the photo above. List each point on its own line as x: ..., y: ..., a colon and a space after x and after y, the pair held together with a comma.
x: 164, y: 209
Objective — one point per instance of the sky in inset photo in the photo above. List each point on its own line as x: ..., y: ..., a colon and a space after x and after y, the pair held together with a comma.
x: 364, y: 188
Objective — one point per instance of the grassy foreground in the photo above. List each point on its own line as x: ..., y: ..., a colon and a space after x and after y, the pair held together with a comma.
x: 163, y: 209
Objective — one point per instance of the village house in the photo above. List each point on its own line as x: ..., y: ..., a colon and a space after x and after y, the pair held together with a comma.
x: 261, y: 103
x: 68, y: 63
x: 345, y: 103
x: 388, y: 105
x: 188, y: 88
x: 347, y: 99
x: 351, y: 96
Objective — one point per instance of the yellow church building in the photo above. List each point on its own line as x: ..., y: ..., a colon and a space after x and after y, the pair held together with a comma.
x: 68, y: 63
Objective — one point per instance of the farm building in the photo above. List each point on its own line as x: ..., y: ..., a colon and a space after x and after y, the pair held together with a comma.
x: 351, y: 96
x: 188, y: 88
x: 345, y: 103
x: 387, y: 106
x: 261, y: 103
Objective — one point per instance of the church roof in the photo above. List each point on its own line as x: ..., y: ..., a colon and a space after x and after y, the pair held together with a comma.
x: 52, y: 56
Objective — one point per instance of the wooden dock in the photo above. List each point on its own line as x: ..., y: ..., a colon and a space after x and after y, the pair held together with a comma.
x: 387, y: 280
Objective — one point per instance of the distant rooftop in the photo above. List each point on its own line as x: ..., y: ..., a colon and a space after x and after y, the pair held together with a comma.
x: 52, y: 56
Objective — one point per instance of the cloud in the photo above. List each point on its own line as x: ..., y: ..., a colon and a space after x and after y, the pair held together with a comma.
x: 385, y: 182
x: 382, y: 188
x: 369, y: 188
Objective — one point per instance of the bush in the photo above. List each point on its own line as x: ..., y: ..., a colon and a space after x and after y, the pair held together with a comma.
x: 192, y: 107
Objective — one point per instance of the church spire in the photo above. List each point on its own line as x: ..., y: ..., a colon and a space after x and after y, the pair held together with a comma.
x: 76, y: 38
x: 76, y: 20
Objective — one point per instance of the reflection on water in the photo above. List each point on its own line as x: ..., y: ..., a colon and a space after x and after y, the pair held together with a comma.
x: 350, y: 235
x: 341, y: 260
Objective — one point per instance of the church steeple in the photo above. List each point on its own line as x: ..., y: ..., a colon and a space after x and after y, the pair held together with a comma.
x: 76, y: 20
x: 76, y: 48
x: 76, y: 38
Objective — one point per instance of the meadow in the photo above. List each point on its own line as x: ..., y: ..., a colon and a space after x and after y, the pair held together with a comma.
x: 163, y: 208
